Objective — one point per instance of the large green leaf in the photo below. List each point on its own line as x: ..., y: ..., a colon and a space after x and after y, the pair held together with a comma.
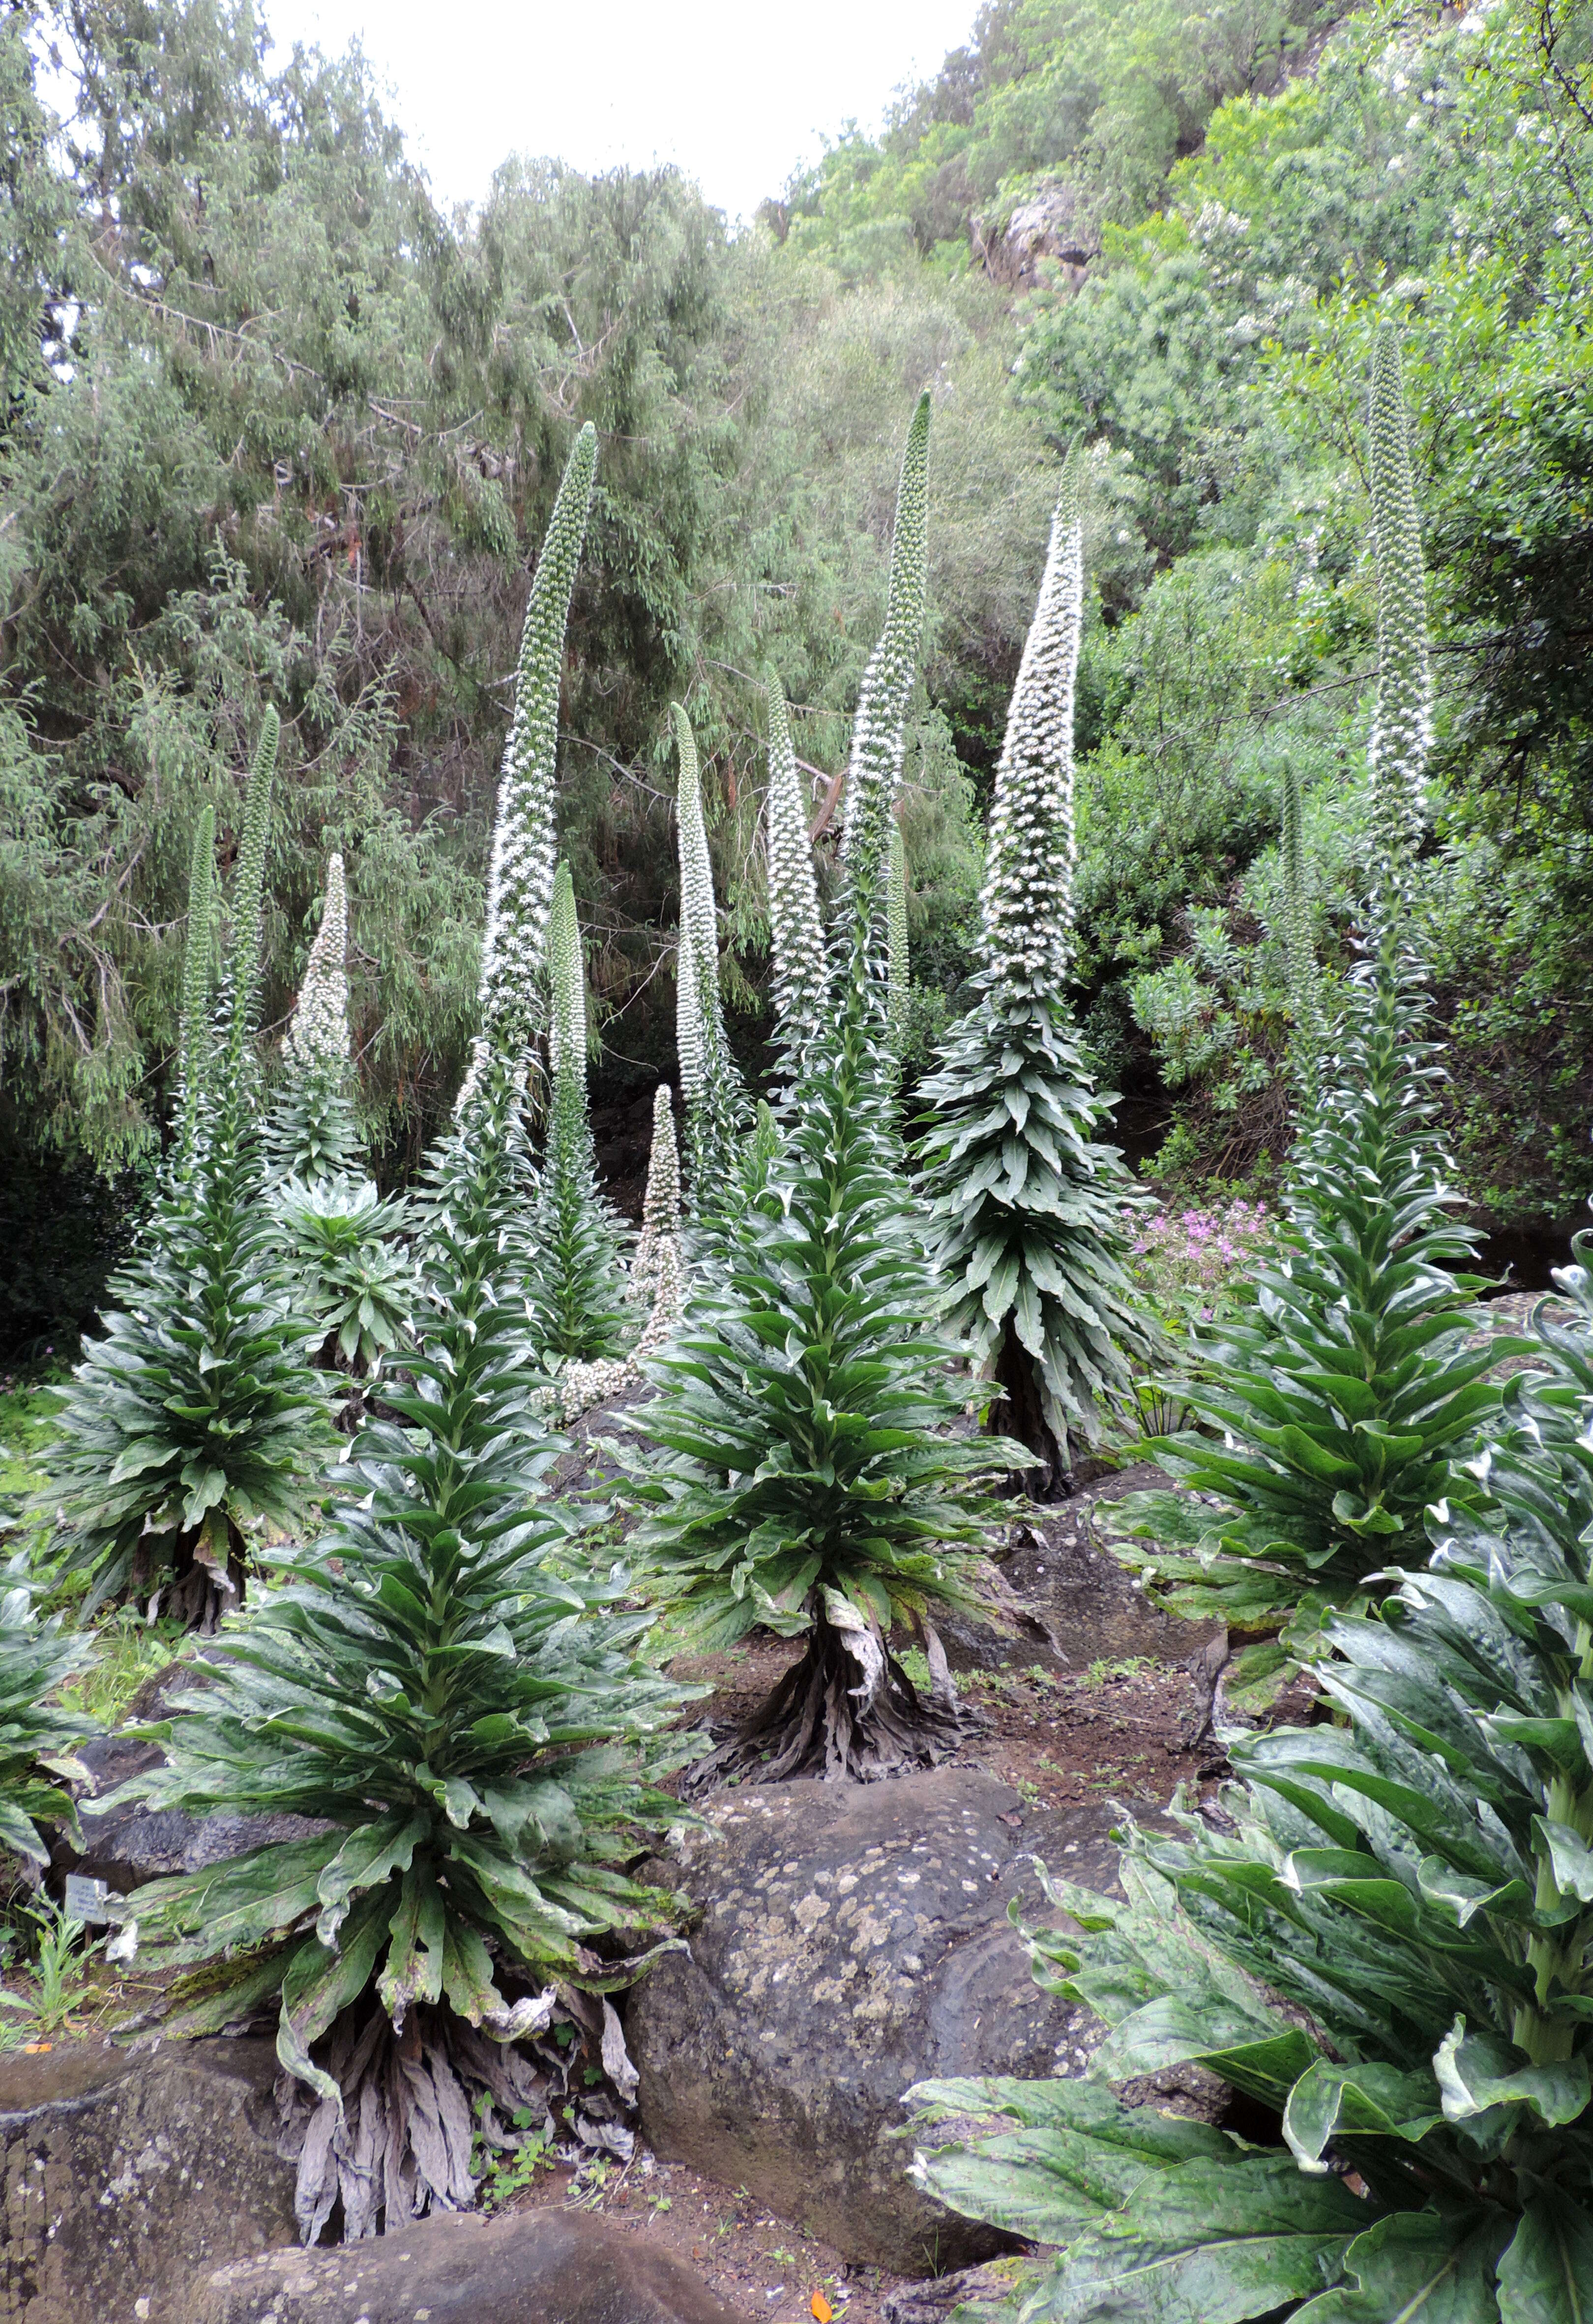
x: 1546, y: 2275
x: 1418, y: 2267
x: 1210, y: 2243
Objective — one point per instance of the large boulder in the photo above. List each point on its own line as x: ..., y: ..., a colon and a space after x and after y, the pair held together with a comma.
x: 530, y: 2268
x: 853, y: 1939
x: 125, y: 2171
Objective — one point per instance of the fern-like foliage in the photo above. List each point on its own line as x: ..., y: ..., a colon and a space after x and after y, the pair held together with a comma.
x: 520, y: 877
x: 577, y: 1279
x: 1028, y: 1208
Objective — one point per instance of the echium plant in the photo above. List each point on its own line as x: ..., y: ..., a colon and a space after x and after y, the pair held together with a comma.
x: 341, y: 1238
x: 198, y: 963
x: 1029, y: 1211
x: 520, y: 877
x: 577, y: 1281
x: 796, y: 929
x: 196, y: 1417
x: 1386, y: 1949
x: 1336, y: 1411
x: 312, y: 1134
x: 661, y: 1202
x: 807, y: 1471
x: 898, y: 965
x: 1402, y: 725
x: 879, y: 730
x: 468, y: 1720
x: 710, y: 1079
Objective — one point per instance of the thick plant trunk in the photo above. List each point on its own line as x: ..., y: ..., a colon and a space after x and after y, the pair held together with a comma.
x: 199, y: 1589
x: 1020, y: 1412
x: 848, y: 1712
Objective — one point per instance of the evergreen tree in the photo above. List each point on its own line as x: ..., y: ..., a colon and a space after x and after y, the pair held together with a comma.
x: 1028, y: 1208
x: 576, y: 1282
x: 196, y: 1415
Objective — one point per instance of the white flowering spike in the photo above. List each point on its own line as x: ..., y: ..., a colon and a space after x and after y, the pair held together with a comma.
x: 801, y: 981
x: 660, y: 1206
x: 567, y: 1030
x: 879, y: 730
x: 236, y: 1091
x: 688, y: 1036
x: 897, y: 969
x: 318, y: 1037
x: 520, y: 878
x: 710, y: 1081
x: 669, y: 1295
x: 198, y: 948
x: 1299, y: 951
x: 1026, y: 903
x: 698, y: 916
x: 1402, y: 728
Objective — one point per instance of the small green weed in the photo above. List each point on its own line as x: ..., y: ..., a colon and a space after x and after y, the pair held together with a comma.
x: 1127, y: 1666
x: 509, y: 2174
x: 56, y: 1972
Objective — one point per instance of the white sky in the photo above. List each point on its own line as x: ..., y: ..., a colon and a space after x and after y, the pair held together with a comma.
x: 736, y: 92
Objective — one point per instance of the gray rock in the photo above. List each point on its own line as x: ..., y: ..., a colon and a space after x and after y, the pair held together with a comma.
x: 855, y: 1941
x: 125, y: 2171
x: 1072, y: 1593
x: 529, y: 2267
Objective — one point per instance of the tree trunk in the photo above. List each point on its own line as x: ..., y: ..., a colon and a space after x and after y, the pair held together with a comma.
x: 1019, y: 1412
x: 848, y: 1712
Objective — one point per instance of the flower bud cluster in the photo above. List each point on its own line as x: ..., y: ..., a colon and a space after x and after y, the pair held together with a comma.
x: 801, y: 983
x: 1027, y: 900
x: 1402, y: 726
x: 520, y: 877
x: 318, y: 1037
x: 878, y: 730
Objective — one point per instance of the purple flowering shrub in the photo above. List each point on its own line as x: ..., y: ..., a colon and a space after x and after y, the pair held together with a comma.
x: 1193, y: 1262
